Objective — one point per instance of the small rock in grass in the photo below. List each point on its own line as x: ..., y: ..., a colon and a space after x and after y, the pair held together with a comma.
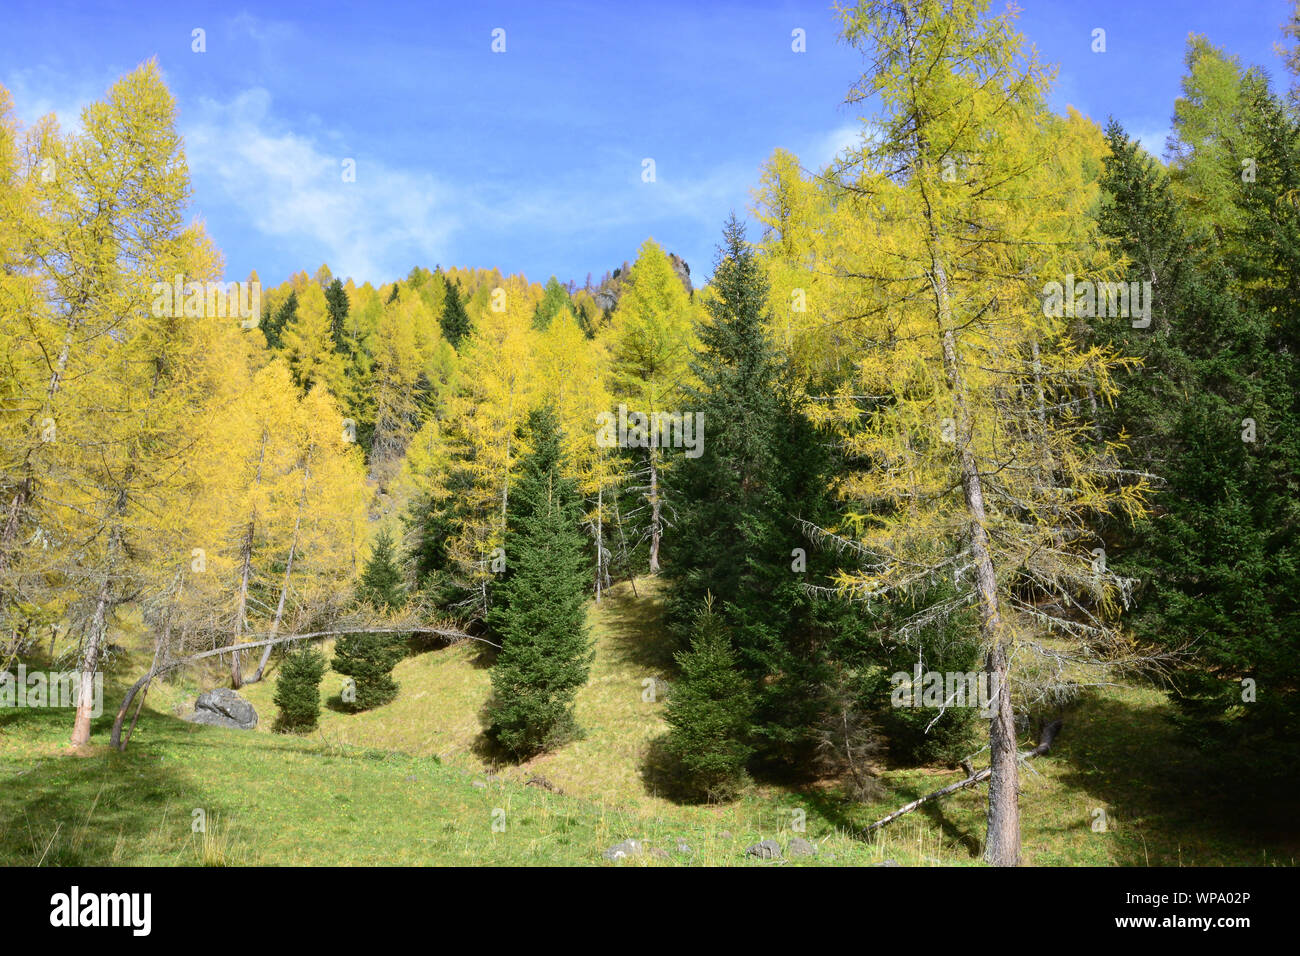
x: 766, y: 850
x: 625, y: 849
x: 800, y: 847
x: 537, y: 780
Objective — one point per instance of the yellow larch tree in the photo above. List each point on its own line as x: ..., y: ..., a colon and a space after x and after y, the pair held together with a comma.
x: 650, y: 339
x: 963, y: 402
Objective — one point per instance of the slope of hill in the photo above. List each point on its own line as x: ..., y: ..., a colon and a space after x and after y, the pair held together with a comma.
x: 406, y: 784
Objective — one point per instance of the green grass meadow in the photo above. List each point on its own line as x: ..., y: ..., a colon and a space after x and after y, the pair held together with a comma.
x: 407, y: 784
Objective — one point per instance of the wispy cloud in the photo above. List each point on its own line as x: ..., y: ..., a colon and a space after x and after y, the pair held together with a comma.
x: 290, y: 187
x: 832, y: 144
x: 1152, y: 140
x: 39, y: 91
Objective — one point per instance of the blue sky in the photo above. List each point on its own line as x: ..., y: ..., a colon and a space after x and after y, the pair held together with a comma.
x: 531, y: 160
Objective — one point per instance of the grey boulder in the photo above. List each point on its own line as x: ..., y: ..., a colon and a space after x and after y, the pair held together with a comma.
x: 800, y: 847
x: 223, y: 708
x: 766, y: 850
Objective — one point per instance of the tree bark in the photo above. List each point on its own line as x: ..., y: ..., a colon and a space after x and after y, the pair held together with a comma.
x: 241, y: 606
x: 279, y: 605
x: 90, y: 662
x: 1002, y: 847
x: 654, y: 512
x: 246, y: 563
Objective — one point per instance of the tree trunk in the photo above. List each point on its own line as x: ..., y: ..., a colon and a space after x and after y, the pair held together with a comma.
x: 246, y: 563
x: 12, y: 519
x: 654, y: 513
x: 1002, y: 847
x: 279, y: 606
x: 627, y: 563
x: 163, y: 643
x: 25, y: 488
x: 505, y: 490
x: 90, y: 663
x: 241, y: 606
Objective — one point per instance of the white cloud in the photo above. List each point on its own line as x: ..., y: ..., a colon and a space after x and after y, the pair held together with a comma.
x: 288, y: 186
x: 832, y: 144
x: 1152, y: 140
x: 266, y: 32
x: 32, y: 100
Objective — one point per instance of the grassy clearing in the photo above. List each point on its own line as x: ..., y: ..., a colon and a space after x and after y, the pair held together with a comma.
x: 405, y: 784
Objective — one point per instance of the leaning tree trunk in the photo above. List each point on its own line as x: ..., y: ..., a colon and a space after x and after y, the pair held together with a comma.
x: 973, y: 777
x: 279, y: 607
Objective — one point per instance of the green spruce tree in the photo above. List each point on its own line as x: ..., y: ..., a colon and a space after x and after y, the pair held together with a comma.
x: 275, y: 323
x: 538, y: 610
x: 709, y: 713
x: 454, y: 320
x: 1213, y: 412
x: 369, y: 658
x: 738, y: 532
x: 336, y: 300
x: 297, y: 691
x: 381, y: 581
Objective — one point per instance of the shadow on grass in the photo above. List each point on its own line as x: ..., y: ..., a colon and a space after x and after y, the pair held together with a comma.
x: 836, y: 808
x: 635, y: 625
x: 662, y: 775
x: 484, y: 655
x: 1168, y: 804
x: 96, y: 808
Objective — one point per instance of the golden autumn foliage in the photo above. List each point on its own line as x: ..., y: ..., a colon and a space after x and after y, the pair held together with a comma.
x: 145, y: 460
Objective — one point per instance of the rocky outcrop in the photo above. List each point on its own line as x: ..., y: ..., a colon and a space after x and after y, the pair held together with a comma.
x: 683, y: 271
x: 607, y: 294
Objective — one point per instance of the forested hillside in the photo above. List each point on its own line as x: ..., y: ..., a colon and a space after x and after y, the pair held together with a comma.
x: 994, y: 414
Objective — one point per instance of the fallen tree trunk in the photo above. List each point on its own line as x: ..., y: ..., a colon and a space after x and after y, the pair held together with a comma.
x: 1044, y: 745
x: 115, y: 740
